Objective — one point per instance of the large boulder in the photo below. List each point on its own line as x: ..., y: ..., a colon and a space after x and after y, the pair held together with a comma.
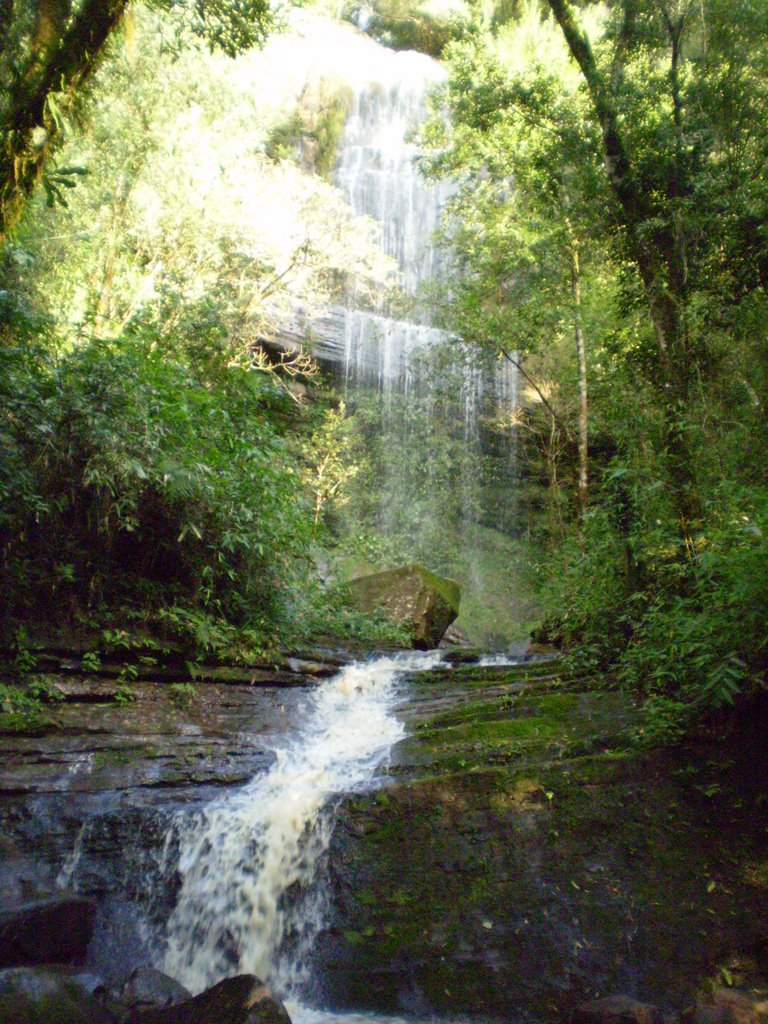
x: 412, y: 597
x: 54, y: 929
x: 147, y: 987
x: 240, y: 1000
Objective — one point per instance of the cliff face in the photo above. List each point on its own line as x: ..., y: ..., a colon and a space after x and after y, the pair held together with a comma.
x: 525, y: 859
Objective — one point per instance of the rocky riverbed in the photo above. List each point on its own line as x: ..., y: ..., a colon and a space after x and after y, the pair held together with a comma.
x: 521, y: 854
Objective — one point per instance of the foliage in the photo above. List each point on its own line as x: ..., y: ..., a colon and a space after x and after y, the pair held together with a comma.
x: 49, y: 51
x: 23, y: 700
x: 312, y: 132
x: 643, y: 144
x: 682, y: 628
x: 149, y: 472
x: 183, y: 204
x: 323, y: 613
x: 425, y: 27
x: 330, y: 470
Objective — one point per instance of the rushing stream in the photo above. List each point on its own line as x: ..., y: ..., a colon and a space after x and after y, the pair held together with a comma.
x: 248, y: 862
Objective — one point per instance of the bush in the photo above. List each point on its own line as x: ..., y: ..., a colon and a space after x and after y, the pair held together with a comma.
x: 146, y: 472
x: 682, y: 621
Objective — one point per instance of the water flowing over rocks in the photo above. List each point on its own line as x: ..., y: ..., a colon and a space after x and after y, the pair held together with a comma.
x: 517, y: 859
x: 247, y: 862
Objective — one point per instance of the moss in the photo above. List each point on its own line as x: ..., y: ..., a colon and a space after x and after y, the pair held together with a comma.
x: 525, y: 725
x: 449, y: 590
x: 114, y: 757
x: 568, y: 864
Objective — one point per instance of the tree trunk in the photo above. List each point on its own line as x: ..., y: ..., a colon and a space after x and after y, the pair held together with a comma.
x: 581, y: 359
x: 659, y: 258
x: 63, y: 55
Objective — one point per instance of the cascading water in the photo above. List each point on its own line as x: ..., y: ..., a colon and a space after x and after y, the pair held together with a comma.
x: 432, y: 395
x: 377, y: 168
x: 247, y: 862
x: 378, y: 174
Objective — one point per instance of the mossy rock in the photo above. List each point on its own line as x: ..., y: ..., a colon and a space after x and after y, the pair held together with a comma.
x: 521, y: 827
x: 411, y: 597
x: 37, y: 995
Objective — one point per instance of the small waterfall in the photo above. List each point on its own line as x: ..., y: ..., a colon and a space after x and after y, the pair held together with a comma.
x: 248, y: 862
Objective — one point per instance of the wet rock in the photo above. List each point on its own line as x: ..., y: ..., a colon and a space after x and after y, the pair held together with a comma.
x: 464, y: 656
x: 34, y: 995
x: 412, y: 597
x: 240, y: 1000
x: 148, y: 987
x: 56, y: 929
x: 729, y: 1006
x: 540, y: 650
x: 319, y: 669
x: 91, y: 984
x: 456, y: 637
x: 617, y: 1010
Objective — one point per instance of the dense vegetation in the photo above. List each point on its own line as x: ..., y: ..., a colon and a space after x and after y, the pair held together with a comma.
x: 611, y: 228
x: 156, y: 466
x: 608, y: 234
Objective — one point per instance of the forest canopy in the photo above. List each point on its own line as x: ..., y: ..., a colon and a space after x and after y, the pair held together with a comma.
x: 613, y: 202
x: 606, y: 234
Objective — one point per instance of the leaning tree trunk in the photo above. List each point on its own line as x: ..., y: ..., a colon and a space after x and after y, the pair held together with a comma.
x: 581, y: 359
x: 63, y: 53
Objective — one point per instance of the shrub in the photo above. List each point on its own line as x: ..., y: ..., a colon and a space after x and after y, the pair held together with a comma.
x: 143, y: 471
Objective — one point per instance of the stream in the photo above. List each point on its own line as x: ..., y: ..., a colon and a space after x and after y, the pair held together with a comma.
x: 251, y: 897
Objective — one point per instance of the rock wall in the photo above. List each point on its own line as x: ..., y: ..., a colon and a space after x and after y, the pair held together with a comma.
x: 525, y: 859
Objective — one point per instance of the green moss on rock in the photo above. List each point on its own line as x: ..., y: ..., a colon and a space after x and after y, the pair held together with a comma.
x: 530, y: 859
x: 410, y: 596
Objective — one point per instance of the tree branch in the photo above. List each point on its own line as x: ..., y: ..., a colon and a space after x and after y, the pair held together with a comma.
x: 539, y: 392
x: 60, y: 66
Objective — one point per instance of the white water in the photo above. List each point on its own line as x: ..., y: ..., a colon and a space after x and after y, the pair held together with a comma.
x: 243, y: 857
x: 378, y: 173
x: 377, y: 169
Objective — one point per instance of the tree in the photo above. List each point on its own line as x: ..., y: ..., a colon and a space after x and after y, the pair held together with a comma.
x: 672, y: 112
x: 182, y: 206
x: 515, y: 137
x: 49, y: 51
x: 330, y: 467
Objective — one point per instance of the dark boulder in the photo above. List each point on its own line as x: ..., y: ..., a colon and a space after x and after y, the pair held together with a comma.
x: 56, y: 929
x: 240, y: 1000
x: 617, y: 1010
x: 148, y: 987
x: 411, y: 597
x: 469, y: 656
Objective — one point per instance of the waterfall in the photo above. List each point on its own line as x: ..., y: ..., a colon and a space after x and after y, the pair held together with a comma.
x: 378, y: 174
x: 434, y: 392
x: 248, y: 861
x: 377, y: 168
